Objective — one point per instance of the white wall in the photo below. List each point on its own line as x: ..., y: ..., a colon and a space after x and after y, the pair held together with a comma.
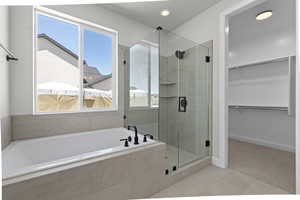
x: 4, y: 91
x: 130, y: 31
x: 21, y: 72
x: 264, y: 84
x: 297, y: 106
x: 4, y: 79
x: 22, y: 44
x: 268, y: 128
x: 276, y: 44
x: 52, y: 68
x: 260, y: 85
x: 202, y: 28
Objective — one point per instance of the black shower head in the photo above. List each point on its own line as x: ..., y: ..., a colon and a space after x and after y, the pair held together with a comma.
x: 179, y: 54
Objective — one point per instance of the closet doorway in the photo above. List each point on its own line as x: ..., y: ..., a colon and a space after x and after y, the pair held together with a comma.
x: 261, y: 92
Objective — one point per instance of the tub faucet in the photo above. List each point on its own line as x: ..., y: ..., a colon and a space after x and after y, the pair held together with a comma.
x: 145, y: 137
x: 136, y: 137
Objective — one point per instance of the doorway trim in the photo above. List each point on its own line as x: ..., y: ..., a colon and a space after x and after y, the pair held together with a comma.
x: 223, y: 85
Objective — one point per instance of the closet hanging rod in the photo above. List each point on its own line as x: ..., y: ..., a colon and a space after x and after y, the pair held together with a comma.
x: 10, y: 55
x: 273, y: 60
x: 259, y: 107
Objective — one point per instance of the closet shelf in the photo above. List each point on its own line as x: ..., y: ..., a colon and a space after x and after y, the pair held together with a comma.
x: 258, y: 107
x: 168, y: 83
x: 168, y: 96
x: 273, y: 60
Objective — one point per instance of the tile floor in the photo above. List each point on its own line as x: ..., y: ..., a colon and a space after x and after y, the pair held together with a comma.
x: 254, y: 170
x: 270, y: 165
x: 212, y: 181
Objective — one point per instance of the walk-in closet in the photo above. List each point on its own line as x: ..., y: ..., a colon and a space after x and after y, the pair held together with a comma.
x: 261, y: 81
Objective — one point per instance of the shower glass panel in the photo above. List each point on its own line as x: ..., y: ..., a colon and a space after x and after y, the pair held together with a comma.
x: 142, y: 82
x: 185, y: 96
x: 168, y: 84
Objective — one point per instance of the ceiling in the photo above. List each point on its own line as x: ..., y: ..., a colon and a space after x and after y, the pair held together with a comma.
x: 244, y: 26
x: 148, y: 13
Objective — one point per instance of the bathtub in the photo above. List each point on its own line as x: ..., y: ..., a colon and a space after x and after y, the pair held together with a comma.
x: 27, y: 159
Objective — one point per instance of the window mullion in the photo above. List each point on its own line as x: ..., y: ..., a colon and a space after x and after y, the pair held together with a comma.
x: 149, y: 76
x: 80, y: 60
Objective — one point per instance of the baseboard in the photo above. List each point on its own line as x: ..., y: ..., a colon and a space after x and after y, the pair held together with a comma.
x: 218, y: 162
x: 263, y: 143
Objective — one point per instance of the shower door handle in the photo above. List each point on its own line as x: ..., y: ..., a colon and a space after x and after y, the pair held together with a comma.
x: 182, y: 104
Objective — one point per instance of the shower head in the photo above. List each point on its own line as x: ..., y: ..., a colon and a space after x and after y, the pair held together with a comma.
x: 179, y: 54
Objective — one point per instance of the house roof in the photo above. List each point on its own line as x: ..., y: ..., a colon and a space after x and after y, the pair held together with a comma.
x: 92, y: 72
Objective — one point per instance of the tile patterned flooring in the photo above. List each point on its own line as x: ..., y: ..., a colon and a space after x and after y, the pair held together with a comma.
x: 270, y: 165
x: 254, y: 170
x: 213, y: 181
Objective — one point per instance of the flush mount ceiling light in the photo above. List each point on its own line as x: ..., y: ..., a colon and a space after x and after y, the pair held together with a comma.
x: 264, y: 15
x: 165, y: 12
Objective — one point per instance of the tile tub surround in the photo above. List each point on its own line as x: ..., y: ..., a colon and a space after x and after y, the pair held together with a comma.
x: 5, y: 131
x: 136, y: 173
x: 34, y: 126
x: 25, y: 159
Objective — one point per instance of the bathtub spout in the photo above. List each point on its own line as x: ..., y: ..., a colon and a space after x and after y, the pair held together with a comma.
x: 136, y: 137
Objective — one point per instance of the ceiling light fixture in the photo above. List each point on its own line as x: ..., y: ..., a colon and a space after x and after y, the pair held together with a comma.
x: 165, y: 12
x: 264, y: 15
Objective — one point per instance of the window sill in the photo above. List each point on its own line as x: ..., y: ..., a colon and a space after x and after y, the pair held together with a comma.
x: 142, y: 108
x: 77, y: 112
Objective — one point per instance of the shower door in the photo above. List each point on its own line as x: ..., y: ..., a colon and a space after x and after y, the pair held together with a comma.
x: 193, y: 105
x: 185, y: 99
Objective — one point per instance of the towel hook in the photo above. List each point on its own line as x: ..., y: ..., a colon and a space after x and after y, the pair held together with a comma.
x: 10, y: 55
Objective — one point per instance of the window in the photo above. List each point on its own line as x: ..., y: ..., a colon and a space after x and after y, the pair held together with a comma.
x: 154, y: 76
x: 144, y: 72
x: 75, y: 65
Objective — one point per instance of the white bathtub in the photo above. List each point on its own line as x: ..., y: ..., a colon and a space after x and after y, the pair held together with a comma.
x: 26, y: 159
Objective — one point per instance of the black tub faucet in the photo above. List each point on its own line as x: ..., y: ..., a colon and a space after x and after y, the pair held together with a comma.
x: 126, y: 144
x: 150, y: 136
x: 136, y: 137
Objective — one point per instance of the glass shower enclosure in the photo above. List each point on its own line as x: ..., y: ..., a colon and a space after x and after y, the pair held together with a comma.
x: 169, y: 94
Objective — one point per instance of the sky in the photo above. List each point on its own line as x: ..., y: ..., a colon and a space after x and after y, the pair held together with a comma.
x: 97, y: 47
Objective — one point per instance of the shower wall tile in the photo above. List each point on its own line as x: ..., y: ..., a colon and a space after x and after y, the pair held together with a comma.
x: 188, y: 130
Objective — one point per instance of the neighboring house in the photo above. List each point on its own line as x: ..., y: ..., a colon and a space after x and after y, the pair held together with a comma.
x: 56, y: 63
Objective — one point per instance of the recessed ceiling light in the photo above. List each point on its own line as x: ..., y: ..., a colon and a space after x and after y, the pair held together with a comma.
x: 165, y: 12
x: 264, y: 15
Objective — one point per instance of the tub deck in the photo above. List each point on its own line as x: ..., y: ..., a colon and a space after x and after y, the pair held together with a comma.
x: 29, y: 158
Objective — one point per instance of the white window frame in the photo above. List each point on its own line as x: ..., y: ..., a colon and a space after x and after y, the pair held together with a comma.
x: 82, y: 25
x: 149, y: 106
